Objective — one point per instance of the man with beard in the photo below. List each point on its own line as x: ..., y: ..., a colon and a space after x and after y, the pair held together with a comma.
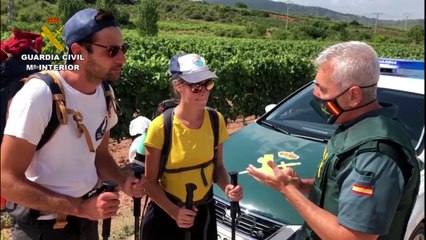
x: 51, y: 185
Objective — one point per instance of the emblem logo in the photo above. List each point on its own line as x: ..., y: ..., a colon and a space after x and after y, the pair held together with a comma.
x: 52, y: 36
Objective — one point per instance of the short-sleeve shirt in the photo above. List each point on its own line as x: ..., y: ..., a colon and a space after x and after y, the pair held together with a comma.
x: 358, y: 210
x: 64, y: 164
x: 187, y: 145
x: 362, y: 211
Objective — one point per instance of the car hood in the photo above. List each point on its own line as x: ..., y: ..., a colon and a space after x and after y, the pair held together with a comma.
x: 252, y: 142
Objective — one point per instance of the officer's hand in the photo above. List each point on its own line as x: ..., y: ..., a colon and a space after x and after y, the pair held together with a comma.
x: 185, y: 217
x: 103, y: 206
x: 277, y: 179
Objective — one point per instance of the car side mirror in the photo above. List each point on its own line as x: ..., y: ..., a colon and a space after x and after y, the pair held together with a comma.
x: 269, y: 107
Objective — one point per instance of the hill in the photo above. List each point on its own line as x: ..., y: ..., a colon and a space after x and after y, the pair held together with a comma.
x: 186, y: 17
x: 299, y: 10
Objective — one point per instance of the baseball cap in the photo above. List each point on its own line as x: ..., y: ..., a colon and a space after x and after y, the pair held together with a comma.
x: 190, y: 67
x: 82, y: 24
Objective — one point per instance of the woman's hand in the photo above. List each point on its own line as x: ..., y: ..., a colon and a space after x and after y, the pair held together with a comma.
x: 185, y: 217
x: 234, y: 193
x: 134, y: 187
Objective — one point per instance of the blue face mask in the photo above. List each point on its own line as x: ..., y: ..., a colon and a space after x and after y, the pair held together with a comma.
x: 329, y: 109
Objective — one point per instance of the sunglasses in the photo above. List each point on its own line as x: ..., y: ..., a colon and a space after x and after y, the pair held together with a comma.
x: 198, y: 87
x: 113, y: 50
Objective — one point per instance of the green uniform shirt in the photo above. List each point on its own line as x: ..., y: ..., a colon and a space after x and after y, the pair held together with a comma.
x: 370, y: 193
x: 375, y: 173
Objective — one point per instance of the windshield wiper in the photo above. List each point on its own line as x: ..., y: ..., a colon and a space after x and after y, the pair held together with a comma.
x: 310, y: 138
x: 275, y: 127
x: 278, y: 129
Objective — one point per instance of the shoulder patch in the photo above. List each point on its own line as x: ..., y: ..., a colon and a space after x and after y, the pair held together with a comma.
x: 362, y: 189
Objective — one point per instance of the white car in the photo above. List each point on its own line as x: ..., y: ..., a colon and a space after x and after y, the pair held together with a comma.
x: 293, y: 124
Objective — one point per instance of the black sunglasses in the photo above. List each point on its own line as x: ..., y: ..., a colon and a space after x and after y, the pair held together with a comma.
x: 113, y: 50
x: 198, y: 87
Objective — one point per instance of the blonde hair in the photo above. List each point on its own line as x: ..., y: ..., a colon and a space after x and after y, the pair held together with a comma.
x: 175, y: 83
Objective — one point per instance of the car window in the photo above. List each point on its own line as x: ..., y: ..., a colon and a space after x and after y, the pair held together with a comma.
x: 410, y: 110
x: 295, y: 115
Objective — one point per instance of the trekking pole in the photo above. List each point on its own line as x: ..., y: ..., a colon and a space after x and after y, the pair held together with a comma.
x: 190, y: 187
x: 107, y: 186
x: 138, y: 170
x: 235, y: 206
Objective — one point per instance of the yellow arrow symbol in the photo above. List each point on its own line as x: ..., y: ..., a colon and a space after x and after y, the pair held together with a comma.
x: 52, y: 38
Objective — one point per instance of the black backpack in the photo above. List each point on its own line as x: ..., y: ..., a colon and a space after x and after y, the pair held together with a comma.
x: 168, y: 125
x: 166, y: 108
x: 13, y: 70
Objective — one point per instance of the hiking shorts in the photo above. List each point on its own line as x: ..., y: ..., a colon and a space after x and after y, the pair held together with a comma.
x: 76, y: 229
x: 157, y: 224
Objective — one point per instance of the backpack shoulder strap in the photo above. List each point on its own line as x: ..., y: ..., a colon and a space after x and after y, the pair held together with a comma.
x: 214, y: 119
x: 54, y: 121
x: 108, y: 95
x: 110, y: 100
x: 168, y: 124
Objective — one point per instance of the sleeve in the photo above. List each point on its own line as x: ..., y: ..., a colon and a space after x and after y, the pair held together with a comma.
x: 30, y: 111
x: 223, y: 131
x: 155, y: 135
x: 371, y: 193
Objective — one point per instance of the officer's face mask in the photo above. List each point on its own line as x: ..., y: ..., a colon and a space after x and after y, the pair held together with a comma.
x: 329, y: 109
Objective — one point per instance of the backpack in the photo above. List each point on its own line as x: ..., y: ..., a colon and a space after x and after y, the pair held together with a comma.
x: 13, y: 68
x: 168, y: 125
x: 14, y: 74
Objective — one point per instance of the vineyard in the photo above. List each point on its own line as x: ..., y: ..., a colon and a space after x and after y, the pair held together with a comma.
x: 258, y: 60
x: 252, y: 73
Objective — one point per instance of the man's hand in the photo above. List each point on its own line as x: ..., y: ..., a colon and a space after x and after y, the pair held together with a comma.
x: 103, y: 206
x: 278, y: 179
x: 134, y: 187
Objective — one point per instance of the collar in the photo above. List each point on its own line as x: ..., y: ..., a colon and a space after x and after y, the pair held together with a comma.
x: 388, y: 110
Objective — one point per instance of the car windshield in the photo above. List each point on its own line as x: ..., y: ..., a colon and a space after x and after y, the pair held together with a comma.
x: 295, y: 116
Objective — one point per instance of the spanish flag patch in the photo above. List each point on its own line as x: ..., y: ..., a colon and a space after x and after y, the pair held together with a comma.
x: 363, y: 190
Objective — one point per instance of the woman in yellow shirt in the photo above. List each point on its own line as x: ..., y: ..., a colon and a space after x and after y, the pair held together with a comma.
x: 190, y: 159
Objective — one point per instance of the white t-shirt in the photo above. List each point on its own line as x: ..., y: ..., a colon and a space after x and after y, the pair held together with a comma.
x: 64, y: 164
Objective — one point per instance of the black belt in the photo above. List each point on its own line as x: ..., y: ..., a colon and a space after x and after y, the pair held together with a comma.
x: 204, y: 201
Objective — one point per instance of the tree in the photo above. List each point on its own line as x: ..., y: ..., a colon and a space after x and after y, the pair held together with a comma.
x: 107, y: 5
x: 148, y: 16
x: 240, y: 5
x: 416, y: 34
x: 67, y: 8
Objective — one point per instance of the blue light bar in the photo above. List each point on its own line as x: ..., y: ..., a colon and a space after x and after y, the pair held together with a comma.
x: 405, y: 68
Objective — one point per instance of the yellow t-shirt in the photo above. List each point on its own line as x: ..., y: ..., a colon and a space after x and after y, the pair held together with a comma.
x: 189, y: 147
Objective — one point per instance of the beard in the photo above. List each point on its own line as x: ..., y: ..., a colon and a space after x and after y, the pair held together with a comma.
x: 96, y: 73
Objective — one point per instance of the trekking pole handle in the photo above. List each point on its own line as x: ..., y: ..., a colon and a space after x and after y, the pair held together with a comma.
x: 234, y: 178
x: 138, y: 170
x: 107, y: 186
x: 234, y: 204
x: 190, y: 188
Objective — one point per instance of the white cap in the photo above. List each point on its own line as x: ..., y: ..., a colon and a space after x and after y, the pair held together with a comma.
x: 133, y: 148
x: 139, y: 125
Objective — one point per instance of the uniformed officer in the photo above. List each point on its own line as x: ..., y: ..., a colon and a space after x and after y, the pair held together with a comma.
x: 366, y: 184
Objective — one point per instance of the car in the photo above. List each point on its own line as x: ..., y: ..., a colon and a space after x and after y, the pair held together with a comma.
x: 293, y: 130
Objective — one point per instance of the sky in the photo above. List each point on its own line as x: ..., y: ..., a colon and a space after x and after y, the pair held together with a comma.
x: 388, y: 9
